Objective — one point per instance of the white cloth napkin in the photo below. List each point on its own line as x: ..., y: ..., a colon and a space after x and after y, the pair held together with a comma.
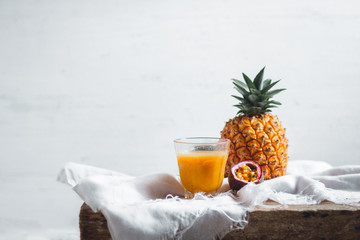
x: 152, y: 206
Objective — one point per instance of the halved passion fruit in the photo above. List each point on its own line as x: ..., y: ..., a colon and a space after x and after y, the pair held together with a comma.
x: 243, y: 173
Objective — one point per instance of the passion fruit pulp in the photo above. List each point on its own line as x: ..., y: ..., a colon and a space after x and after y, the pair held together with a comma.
x: 243, y: 173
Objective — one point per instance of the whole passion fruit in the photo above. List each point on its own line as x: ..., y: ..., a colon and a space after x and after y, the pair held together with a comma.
x: 243, y: 173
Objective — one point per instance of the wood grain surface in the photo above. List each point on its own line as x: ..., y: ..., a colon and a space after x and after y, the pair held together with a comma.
x: 323, y: 221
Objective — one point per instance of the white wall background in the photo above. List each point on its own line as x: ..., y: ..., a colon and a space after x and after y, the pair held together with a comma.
x: 112, y: 83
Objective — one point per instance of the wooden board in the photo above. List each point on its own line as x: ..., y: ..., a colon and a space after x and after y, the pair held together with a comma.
x: 322, y: 221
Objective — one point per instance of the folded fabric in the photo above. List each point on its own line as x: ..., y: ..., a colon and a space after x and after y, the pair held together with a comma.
x: 153, y: 206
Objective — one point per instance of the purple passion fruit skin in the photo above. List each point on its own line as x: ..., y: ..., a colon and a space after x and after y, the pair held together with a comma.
x: 243, y: 173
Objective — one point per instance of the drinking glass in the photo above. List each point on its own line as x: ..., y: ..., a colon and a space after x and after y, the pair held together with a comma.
x: 201, y: 162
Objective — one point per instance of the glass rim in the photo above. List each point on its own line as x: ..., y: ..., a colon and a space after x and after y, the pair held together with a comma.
x: 188, y: 140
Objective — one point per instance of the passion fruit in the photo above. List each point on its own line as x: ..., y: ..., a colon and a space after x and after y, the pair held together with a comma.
x: 243, y: 173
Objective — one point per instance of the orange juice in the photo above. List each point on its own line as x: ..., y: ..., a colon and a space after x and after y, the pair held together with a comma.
x: 202, y: 171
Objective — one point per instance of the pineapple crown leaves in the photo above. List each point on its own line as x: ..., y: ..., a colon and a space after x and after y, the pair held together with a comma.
x: 255, y: 94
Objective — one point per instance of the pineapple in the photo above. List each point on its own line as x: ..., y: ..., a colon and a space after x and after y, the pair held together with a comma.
x: 254, y: 133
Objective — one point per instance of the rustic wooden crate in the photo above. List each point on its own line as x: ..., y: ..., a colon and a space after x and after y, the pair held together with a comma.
x: 322, y: 221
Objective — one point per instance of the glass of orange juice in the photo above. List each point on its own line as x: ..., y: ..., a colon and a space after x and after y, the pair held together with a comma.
x: 201, y: 162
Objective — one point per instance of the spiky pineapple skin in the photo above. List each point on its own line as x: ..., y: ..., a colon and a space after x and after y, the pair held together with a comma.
x: 260, y: 138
